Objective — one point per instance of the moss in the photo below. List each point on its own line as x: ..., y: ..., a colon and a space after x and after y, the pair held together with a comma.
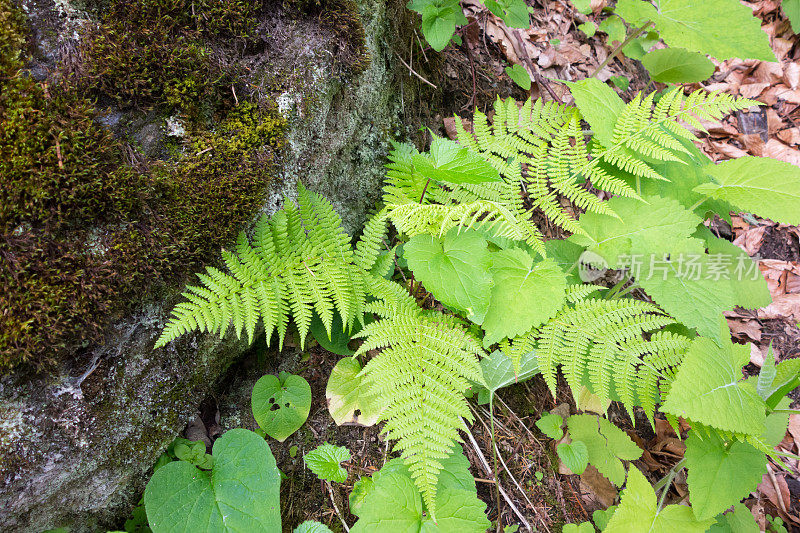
x: 12, y: 24
x: 156, y: 52
x: 83, y: 236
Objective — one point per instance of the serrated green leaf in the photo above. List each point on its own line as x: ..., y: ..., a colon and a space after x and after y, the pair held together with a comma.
x: 676, y: 279
x: 498, y: 372
x: 450, y: 162
x: 588, y: 28
x: 520, y: 76
x: 750, y: 289
x: 281, y: 404
x: 740, y: 520
x: 311, y: 526
x: 241, y: 493
x: 766, y: 376
x: 639, y: 512
x: 601, y: 517
x: 656, y: 224
x: 525, y: 294
x: 347, y: 393
x: 720, y: 473
x: 606, y: 444
x: 574, y: 455
x: 708, y: 389
x: 599, y: 106
x: 394, y: 504
x: 455, y: 269
x: 760, y: 185
x: 676, y: 65
x: 439, y: 23
x: 550, y: 424
x: 324, y: 461
x: 787, y: 378
x: 513, y: 12
x: 721, y: 28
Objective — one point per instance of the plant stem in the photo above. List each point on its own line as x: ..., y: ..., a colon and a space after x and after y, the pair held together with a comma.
x: 666, y: 481
x: 336, y: 507
x: 614, y: 53
x: 494, y: 459
x: 425, y: 188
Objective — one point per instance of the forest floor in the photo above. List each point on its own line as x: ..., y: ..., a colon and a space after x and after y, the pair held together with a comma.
x: 537, y: 491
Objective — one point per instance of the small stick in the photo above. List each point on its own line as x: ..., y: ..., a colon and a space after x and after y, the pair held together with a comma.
x: 233, y: 90
x: 414, y: 72
x: 58, y: 153
x: 614, y: 53
x: 336, y: 507
x: 488, y: 470
x: 777, y: 489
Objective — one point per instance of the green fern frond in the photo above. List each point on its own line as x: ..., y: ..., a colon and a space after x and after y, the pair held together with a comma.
x: 601, y: 344
x: 300, y: 263
x: 424, y: 367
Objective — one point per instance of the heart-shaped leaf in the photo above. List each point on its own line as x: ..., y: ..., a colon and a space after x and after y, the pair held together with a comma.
x: 241, y: 493
x: 676, y: 65
x: 550, y: 425
x: 574, y: 455
x: 349, y: 400
x: 325, y: 461
x: 281, y: 404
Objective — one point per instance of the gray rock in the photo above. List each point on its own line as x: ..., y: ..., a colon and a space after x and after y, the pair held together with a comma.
x: 76, y: 446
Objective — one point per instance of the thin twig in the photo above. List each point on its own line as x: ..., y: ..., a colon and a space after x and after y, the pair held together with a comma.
x: 488, y: 470
x: 414, y: 72
x: 778, y: 493
x: 614, y: 53
x: 336, y: 507
x: 537, y: 76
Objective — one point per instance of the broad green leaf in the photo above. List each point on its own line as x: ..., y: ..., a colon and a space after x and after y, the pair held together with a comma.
x: 241, y: 493
x: 281, y: 404
x: 498, y: 372
x: 787, y: 378
x: 639, y: 512
x: 721, y: 28
x: 640, y: 46
x: 776, y: 424
x: 525, y: 294
x: 614, y: 27
x: 194, y: 453
x: 310, y: 526
x: 720, y: 476
x: 766, y: 376
x: 732, y: 263
x: 588, y: 28
x: 339, y: 338
x: 439, y: 20
x: 791, y: 8
x: 740, y: 520
x: 574, y: 455
x: 583, y: 527
x: 550, y: 424
x: 676, y: 65
x: 450, y: 162
x: 394, y: 504
x: 656, y: 224
x: 599, y: 106
x: 708, y: 389
x: 583, y: 6
x: 347, y: 393
x: 520, y: 76
x: 676, y: 279
x: 601, y: 517
x: 606, y: 444
x: 361, y: 488
x: 455, y: 269
x: 513, y: 12
x: 324, y: 461
x: 760, y: 185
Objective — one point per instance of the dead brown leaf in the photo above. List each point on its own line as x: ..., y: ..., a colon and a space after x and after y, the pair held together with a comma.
x: 595, y: 484
x: 749, y: 330
x: 784, y: 306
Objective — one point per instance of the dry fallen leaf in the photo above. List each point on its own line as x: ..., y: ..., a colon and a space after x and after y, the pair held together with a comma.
x: 749, y: 329
x: 784, y: 306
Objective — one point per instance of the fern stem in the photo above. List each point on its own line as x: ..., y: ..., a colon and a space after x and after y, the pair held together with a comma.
x: 614, y: 53
x: 425, y: 188
x: 666, y: 481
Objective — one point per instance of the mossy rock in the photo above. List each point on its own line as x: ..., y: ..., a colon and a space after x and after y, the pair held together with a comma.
x: 86, y: 405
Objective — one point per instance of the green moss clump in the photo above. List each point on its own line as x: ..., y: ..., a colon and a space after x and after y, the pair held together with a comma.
x: 156, y: 52
x: 84, y: 237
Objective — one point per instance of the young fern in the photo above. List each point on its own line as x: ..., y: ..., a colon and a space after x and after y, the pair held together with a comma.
x: 425, y: 365
x: 299, y: 263
x: 600, y: 343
